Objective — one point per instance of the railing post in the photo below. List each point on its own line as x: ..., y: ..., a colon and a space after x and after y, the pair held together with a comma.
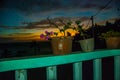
x: 51, y: 73
x: 117, y: 68
x: 77, y: 71
x: 97, y: 69
x: 20, y: 75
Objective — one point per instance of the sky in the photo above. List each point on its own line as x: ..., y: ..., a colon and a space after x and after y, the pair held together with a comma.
x: 13, y: 13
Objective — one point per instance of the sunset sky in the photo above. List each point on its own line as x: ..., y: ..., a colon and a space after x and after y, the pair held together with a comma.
x: 13, y: 13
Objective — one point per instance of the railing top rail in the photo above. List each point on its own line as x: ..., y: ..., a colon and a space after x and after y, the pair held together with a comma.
x: 50, y: 60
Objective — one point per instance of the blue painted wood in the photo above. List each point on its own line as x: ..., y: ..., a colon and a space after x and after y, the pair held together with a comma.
x: 97, y: 69
x: 51, y: 73
x: 117, y: 68
x: 77, y: 71
x: 51, y: 60
x: 20, y: 75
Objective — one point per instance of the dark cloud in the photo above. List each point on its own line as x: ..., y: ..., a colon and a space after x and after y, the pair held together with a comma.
x: 20, y: 34
x: 47, y: 5
x: 10, y: 27
x: 1, y: 3
x: 117, y: 3
x: 31, y: 10
x: 21, y: 27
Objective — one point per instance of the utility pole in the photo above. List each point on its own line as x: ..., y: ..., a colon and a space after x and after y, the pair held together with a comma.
x: 92, y: 25
x: 92, y: 21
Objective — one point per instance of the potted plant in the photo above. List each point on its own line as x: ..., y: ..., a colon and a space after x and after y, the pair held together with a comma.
x: 86, y: 39
x: 61, y: 44
x: 112, y: 39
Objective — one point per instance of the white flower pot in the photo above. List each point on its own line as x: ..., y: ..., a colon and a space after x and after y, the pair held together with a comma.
x: 87, y: 45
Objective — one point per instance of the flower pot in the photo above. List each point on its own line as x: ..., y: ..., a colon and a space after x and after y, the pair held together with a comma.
x: 113, y: 42
x: 87, y: 44
x: 61, y: 45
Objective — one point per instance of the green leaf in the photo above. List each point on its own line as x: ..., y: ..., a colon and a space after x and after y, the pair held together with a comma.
x: 66, y: 27
x: 61, y: 30
x: 69, y: 23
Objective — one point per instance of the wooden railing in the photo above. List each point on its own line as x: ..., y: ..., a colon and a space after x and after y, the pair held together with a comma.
x: 20, y: 65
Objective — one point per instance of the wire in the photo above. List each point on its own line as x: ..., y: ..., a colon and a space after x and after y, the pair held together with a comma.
x: 96, y: 15
x: 103, y: 8
x: 99, y: 11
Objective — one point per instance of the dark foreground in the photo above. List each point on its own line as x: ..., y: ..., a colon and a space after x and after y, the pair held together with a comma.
x: 64, y: 71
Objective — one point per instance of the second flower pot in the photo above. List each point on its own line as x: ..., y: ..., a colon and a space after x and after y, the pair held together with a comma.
x: 87, y: 45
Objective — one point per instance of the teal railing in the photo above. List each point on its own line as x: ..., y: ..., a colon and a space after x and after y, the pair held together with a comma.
x: 20, y: 65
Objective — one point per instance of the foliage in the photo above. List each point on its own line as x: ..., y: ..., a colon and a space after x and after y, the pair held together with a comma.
x: 83, y: 33
x: 110, y: 33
